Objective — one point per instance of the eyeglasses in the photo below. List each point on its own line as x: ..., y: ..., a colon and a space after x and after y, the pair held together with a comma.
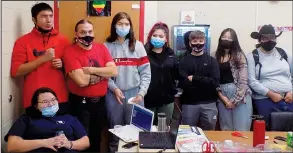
x: 53, y: 100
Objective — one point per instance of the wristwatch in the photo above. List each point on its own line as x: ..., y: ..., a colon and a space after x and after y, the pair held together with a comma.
x: 71, y: 145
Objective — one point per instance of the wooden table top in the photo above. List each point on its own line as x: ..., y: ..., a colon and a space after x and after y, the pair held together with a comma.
x: 221, y: 136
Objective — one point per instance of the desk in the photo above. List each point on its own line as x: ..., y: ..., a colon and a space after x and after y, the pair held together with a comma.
x: 220, y: 136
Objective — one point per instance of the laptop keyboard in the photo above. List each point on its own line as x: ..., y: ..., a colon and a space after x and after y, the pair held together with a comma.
x: 161, y: 139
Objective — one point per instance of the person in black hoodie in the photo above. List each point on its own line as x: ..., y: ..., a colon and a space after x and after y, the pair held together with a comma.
x: 200, y: 76
x: 164, y: 70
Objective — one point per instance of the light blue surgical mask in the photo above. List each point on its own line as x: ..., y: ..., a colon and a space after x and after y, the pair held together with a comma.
x: 122, y: 31
x: 157, y: 43
x: 50, y: 111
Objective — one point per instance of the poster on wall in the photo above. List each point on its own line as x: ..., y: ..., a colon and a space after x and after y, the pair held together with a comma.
x: 178, y: 38
x: 279, y: 28
x: 98, y: 8
x: 187, y: 18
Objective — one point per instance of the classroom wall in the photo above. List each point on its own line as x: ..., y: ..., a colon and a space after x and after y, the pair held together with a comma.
x: 16, y: 21
x: 243, y: 16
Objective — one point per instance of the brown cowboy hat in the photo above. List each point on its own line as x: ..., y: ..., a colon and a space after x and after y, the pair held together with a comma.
x: 265, y: 30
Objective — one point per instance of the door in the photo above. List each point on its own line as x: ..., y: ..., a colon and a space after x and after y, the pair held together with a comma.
x: 70, y: 12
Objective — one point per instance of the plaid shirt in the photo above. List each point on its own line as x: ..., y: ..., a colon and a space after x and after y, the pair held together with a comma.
x: 240, y: 75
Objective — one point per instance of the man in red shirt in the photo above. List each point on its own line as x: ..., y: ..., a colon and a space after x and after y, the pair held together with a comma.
x: 88, y: 66
x: 37, y: 56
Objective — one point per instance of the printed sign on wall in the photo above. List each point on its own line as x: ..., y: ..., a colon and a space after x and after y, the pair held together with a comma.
x: 279, y: 28
x: 98, y: 8
x: 187, y: 18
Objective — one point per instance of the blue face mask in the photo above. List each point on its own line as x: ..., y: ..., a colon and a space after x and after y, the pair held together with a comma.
x: 157, y: 43
x: 122, y: 32
x: 50, y: 111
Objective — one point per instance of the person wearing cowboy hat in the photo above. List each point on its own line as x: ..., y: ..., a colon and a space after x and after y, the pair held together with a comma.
x: 269, y: 74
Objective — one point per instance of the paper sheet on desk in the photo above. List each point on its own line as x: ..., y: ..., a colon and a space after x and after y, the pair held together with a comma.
x: 126, y: 133
x: 188, y: 141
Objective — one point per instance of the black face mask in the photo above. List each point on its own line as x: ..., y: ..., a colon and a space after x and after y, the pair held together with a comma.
x: 87, y: 40
x: 197, y: 47
x: 226, y: 44
x: 43, y: 30
x: 269, y: 45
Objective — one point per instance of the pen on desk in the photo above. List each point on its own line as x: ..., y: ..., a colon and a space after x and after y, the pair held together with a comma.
x: 195, y: 130
x: 276, y: 142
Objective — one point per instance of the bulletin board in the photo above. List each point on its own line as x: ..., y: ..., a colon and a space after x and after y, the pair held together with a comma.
x: 178, y: 40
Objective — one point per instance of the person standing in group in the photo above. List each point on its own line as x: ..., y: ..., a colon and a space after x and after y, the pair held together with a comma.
x: 200, y: 76
x: 269, y: 74
x: 37, y: 56
x: 235, y: 106
x: 134, y: 74
x: 88, y: 65
x: 164, y: 70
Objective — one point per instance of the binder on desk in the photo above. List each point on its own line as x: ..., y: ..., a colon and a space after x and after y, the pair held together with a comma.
x: 190, y: 139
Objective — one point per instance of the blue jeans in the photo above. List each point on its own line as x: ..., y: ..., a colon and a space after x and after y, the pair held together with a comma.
x: 118, y: 114
x: 238, y: 118
x: 266, y: 106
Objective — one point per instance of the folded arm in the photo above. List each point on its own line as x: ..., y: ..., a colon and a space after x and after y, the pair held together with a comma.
x: 212, y: 80
x: 183, y: 74
x: 19, y: 64
x: 110, y: 70
x: 80, y: 78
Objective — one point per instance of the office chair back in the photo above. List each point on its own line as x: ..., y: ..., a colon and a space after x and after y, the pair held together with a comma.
x: 281, y: 121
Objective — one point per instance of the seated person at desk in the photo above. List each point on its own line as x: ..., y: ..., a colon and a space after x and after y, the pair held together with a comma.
x: 37, y: 131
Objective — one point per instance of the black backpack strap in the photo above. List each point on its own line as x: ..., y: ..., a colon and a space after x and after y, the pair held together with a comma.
x: 256, y: 61
x: 282, y: 53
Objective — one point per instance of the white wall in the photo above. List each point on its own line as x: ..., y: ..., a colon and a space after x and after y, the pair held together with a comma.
x: 243, y: 16
x: 16, y: 21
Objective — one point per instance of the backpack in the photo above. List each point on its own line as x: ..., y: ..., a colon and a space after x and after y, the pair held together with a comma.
x: 256, y: 58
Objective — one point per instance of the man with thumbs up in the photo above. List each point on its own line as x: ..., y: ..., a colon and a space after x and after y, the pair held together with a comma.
x: 37, y: 56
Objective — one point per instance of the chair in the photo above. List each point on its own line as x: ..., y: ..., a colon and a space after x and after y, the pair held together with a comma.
x: 281, y: 121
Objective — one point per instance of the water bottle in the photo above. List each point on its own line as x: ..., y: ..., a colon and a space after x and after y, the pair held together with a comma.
x: 162, y: 124
x: 259, y: 129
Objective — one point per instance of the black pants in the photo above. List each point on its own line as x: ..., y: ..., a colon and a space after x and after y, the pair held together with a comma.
x: 63, y: 107
x: 92, y: 115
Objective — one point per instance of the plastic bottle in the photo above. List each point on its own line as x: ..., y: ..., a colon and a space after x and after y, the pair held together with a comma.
x: 259, y: 129
x: 290, y: 139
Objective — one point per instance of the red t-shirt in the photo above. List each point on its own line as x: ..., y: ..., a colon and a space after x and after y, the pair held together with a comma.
x: 30, y: 47
x: 76, y: 57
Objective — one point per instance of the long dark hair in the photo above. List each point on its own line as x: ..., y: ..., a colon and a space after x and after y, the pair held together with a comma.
x: 33, y: 111
x: 83, y: 21
x: 113, y: 35
x: 235, y: 49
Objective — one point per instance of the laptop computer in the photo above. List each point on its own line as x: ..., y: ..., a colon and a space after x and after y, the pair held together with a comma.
x: 141, y: 120
x: 160, y: 140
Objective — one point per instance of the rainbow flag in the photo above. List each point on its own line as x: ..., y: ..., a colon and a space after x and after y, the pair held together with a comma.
x: 99, y: 5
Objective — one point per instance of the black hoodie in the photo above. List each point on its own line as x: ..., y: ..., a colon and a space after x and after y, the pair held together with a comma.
x: 164, y: 70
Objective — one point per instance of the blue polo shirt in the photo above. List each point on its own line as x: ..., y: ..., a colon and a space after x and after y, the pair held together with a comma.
x: 47, y: 127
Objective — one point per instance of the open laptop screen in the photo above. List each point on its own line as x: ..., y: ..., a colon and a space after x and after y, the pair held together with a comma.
x: 142, y: 118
